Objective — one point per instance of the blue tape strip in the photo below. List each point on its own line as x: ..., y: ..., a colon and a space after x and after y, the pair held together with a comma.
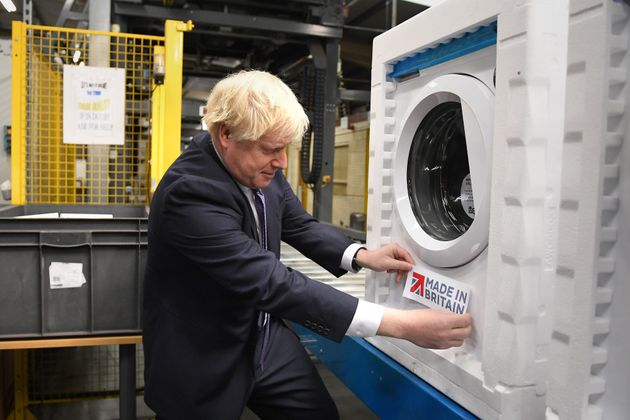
x: 483, y: 37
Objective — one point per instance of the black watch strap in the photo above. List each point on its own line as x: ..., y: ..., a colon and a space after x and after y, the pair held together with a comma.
x: 355, y: 264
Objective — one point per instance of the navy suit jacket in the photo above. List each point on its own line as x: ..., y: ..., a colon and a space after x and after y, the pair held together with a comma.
x: 207, y: 278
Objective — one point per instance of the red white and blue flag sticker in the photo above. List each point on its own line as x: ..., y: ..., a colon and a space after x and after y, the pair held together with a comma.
x: 437, y: 291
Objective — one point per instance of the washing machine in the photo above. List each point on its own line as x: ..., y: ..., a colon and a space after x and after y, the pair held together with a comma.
x: 444, y: 123
x: 431, y: 140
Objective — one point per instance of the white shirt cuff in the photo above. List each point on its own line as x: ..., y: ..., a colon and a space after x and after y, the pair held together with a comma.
x: 346, y: 259
x: 367, y: 319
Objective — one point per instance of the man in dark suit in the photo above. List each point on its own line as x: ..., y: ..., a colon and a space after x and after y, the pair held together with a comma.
x: 216, y: 293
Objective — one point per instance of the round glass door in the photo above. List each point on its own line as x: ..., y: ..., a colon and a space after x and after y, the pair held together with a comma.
x: 438, y: 174
x: 441, y: 170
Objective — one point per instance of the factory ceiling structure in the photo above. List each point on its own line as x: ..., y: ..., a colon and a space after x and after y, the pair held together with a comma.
x: 275, y: 35
x: 321, y: 48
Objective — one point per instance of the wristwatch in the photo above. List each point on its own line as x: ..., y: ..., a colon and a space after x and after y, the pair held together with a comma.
x: 355, y: 263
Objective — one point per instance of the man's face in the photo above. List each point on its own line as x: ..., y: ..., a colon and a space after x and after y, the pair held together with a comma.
x: 254, y: 163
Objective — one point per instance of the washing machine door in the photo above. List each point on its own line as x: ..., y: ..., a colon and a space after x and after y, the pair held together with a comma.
x: 443, y: 167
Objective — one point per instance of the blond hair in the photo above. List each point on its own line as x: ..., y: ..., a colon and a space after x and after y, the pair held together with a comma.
x: 252, y: 103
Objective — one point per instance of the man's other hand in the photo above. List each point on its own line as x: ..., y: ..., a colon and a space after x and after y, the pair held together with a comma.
x: 391, y: 258
x: 429, y: 328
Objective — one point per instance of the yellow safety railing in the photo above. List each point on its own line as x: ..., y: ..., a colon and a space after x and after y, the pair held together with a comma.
x: 165, y: 152
x: 44, y: 169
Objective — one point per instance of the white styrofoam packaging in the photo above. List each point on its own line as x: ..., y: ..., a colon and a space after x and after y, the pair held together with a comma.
x: 497, y: 373
x: 588, y: 373
x: 549, y: 290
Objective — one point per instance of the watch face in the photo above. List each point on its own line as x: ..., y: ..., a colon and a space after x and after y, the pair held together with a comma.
x: 438, y: 174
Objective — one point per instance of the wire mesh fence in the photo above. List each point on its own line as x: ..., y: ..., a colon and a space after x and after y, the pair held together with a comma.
x: 59, y: 173
x: 69, y: 373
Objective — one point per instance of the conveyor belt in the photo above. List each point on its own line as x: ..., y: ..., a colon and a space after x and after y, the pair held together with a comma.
x: 353, y: 284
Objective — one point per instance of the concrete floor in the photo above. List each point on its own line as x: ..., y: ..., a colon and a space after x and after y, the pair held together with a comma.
x: 349, y: 406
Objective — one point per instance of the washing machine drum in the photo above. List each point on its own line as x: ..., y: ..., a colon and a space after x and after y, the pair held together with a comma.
x: 438, y: 174
x: 444, y: 148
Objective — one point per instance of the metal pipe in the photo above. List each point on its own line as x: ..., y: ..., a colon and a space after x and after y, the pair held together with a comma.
x: 362, y: 28
x: 99, y: 13
x: 27, y: 12
x: 127, y: 381
x: 209, y: 17
x: 394, y: 13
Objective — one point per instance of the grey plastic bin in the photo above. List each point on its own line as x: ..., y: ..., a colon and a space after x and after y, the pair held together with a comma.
x: 113, y: 255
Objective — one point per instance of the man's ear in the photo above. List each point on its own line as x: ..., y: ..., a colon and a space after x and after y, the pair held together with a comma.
x: 224, y: 135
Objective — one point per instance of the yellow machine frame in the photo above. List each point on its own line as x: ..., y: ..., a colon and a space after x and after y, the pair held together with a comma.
x: 44, y: 170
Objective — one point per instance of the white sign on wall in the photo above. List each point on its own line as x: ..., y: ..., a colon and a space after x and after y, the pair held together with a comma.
x: 93, y: 105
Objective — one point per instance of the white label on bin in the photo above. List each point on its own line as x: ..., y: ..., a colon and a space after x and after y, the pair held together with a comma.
x: 66, y: 275
x: 436, y: 291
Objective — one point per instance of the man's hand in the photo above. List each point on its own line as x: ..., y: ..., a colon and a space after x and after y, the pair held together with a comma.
x: 429, y: 328
x: 391, y: 258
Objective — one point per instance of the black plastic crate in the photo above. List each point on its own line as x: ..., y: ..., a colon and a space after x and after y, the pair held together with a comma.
x: 112, y: 253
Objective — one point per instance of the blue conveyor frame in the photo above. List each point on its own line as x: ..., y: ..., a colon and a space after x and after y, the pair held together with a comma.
x: 390, y: 390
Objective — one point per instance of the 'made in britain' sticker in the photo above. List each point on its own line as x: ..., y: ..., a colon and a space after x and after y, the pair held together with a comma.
x: 436, y: 291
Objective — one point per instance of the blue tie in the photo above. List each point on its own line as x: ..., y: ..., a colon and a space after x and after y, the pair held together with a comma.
x: 263, y: 317
x: 259, y: 201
